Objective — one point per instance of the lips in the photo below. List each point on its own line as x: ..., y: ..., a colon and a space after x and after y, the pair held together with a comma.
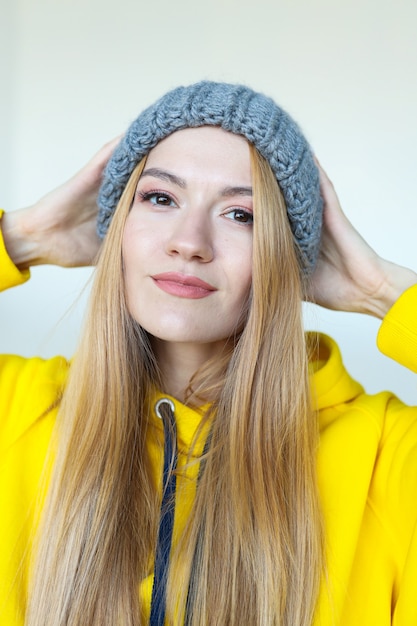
x: 182, y: 285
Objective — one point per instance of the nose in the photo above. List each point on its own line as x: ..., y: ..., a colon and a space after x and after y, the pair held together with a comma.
x: 191, y: 238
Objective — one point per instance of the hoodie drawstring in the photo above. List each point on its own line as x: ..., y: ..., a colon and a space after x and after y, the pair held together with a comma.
x: 164, y: 409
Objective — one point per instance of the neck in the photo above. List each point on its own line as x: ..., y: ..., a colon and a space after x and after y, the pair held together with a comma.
x: 178, y: 362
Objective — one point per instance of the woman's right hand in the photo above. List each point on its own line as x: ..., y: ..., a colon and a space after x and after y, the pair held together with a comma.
x: 60, y: 229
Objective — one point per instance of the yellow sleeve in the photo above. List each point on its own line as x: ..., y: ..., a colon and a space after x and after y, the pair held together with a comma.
x: 29, y: 392
x: 10, y: 275
x: 28, y: 388
x: 405, y: 612
x: 397, y: 337
x: 395, y: 500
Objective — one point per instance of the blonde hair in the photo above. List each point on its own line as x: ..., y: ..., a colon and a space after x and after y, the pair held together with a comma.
x: 254, y: 538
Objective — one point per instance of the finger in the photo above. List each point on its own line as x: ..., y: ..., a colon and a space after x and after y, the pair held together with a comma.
x: 103, y: 155
x: 326, y: 186
x: 106, y: 150
x: 91, y: 173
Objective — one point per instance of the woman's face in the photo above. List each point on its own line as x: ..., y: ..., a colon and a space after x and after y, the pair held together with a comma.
x: 187, y: 244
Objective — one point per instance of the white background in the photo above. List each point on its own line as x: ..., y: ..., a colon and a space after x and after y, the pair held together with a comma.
x: 74, y: 73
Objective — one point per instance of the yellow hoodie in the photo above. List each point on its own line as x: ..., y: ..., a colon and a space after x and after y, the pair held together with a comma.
x: 367, y: 466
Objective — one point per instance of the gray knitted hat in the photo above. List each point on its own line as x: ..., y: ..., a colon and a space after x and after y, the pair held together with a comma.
x: 240, y: 110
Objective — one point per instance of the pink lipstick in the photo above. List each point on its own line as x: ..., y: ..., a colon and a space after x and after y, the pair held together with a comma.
x: 183, y: 286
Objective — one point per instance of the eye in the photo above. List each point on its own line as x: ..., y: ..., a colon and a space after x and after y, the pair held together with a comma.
x: 157, y: 198
x: 240, y: 215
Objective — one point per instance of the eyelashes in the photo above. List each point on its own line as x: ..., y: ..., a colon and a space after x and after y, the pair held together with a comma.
x: 240, y: 215
x: 159, y: 198
x: 162, y: 199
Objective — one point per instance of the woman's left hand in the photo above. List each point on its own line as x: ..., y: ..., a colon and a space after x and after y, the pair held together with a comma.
x: 350, y: 276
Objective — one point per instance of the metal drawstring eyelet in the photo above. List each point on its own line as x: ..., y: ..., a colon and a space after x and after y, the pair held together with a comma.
x: 164, y: 401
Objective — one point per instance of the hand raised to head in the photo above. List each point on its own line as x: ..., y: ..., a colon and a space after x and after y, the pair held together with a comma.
x: 350, y: 276
x: 59, y: 229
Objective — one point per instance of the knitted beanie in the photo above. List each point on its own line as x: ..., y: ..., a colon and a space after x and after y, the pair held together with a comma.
x: 240, y: 110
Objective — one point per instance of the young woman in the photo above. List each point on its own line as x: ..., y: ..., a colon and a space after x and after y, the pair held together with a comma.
x: 205, y: 461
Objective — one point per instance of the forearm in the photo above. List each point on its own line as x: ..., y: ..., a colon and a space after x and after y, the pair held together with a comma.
x: 10, y: 275
x: 397, y: 280
x: 22, y: 245
x: 60, y: 228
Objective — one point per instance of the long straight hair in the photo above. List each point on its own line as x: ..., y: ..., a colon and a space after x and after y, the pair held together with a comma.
x: 252, y: 550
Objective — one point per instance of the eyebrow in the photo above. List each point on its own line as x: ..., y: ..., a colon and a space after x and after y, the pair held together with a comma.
x: 156, y: 172
x: 236, y: 191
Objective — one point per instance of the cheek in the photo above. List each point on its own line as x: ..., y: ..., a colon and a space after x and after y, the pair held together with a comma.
x: 137, y: 244
x: 134, y: 254
x: 240, y: 280
x: 242, y: 270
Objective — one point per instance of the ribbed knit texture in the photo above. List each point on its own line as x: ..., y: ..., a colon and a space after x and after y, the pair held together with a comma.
x: 240, y: 110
